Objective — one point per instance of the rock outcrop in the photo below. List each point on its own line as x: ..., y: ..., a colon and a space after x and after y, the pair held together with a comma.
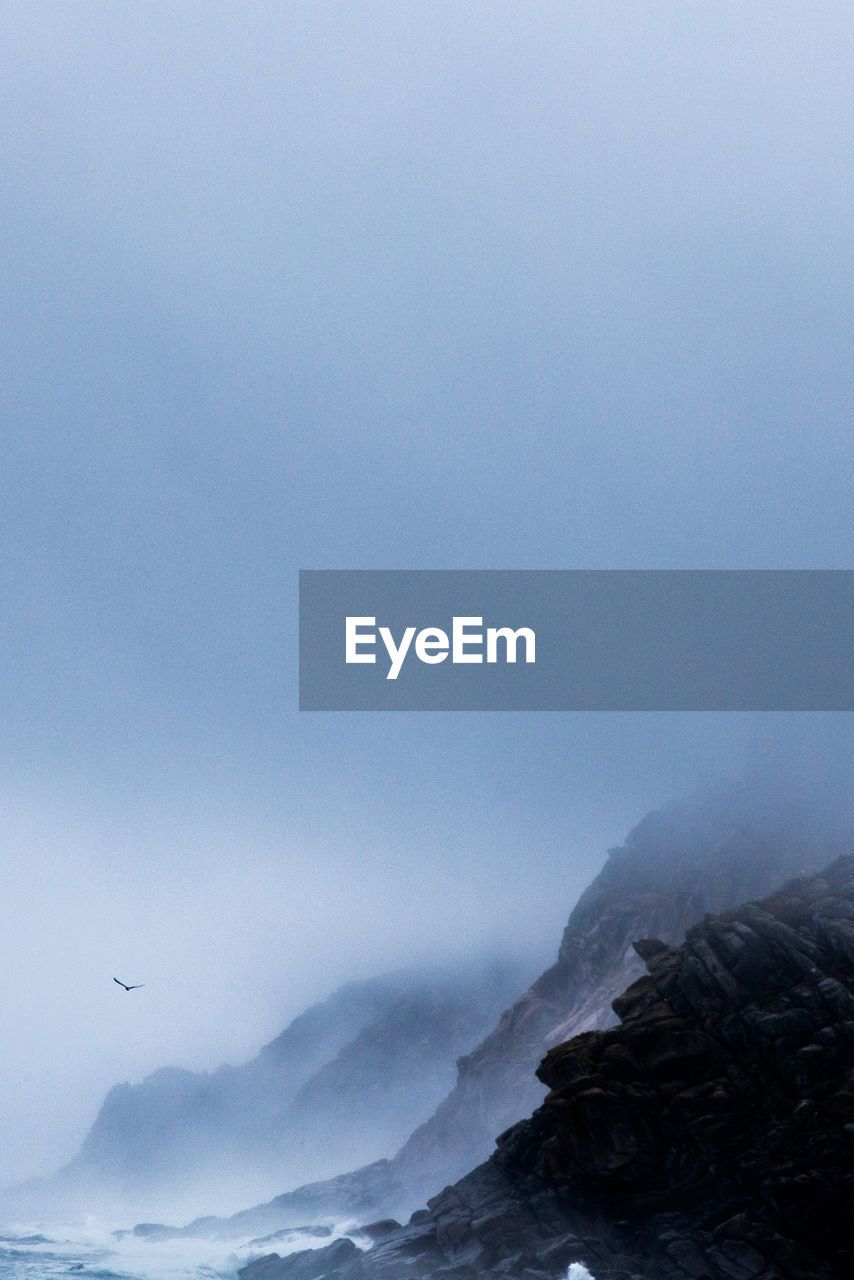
x: 709, y: 1134
x: 704, y: 855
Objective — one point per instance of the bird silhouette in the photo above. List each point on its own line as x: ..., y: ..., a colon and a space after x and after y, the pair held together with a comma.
x: 135, y: 986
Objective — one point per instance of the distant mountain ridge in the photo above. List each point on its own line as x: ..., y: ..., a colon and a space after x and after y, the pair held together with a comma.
x: 344, y: 1083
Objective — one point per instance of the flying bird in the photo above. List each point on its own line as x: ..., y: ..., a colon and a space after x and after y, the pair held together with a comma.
x: 135, y: 986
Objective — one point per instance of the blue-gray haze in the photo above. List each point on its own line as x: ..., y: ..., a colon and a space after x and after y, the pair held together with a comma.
x: 384, y: 283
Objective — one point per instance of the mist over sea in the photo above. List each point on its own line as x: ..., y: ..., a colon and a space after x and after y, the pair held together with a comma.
x: 96, y: 1250
x: 42, y: 1251
x: 99, y: 1250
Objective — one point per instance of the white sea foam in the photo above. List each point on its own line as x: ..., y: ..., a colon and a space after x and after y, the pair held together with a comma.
x: 91, y: 1251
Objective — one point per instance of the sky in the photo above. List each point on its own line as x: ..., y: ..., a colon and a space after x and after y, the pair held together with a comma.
x: 372, y: 285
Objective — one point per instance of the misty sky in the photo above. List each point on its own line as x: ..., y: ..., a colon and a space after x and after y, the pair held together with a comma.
x: 372, y: 285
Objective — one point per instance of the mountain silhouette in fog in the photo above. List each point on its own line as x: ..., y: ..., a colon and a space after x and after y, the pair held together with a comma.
x: 344, y: 1084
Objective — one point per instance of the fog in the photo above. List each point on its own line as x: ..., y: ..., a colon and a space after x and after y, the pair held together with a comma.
x: 307, y: 285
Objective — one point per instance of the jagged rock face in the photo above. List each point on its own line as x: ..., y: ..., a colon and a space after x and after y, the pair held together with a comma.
x: 726, y: 1094
x: 676, y: 865
x: 710, y: 1134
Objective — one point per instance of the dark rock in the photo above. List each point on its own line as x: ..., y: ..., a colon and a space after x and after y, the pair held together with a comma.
x: 341, y: 1259
x: 376, y: 1230
x: 707, y: 1136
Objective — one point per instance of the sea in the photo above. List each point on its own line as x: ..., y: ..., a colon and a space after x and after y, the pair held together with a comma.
x: 96, y: 1250
x: 100, y: 1251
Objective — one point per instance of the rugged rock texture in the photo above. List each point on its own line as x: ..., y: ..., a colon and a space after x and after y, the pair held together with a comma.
x: 710, y: 1134
x: 346, y: 1082
x: 700, y: 856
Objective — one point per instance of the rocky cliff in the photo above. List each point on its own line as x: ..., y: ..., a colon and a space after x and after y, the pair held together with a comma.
x: 697, y: 856
x: 680, y: 862
x: 709, y: 1134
